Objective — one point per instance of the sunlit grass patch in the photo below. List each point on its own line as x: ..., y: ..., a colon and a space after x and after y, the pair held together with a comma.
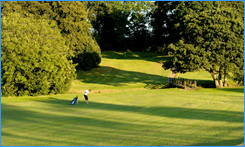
x: 144, y: 117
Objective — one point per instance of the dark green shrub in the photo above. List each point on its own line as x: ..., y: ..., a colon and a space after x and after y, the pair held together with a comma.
x: 87, y: 61
x: 90, y: 57
x: 205, y: 83
x: 33, y: 57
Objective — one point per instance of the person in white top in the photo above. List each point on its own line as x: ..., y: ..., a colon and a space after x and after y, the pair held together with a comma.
x: 86, y: 95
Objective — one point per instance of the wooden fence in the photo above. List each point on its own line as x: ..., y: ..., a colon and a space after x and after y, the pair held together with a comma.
x: 182, y: 83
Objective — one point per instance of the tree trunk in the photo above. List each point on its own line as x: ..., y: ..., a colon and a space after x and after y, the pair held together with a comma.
x: 216, y: 82
x: 220, y: 77
x: 220, y: 83
x: 225, y: 78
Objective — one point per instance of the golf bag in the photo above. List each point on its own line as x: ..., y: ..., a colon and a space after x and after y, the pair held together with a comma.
x: 74, y: 100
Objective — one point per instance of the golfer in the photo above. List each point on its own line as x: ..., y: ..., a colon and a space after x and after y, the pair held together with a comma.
x: 86, y: 95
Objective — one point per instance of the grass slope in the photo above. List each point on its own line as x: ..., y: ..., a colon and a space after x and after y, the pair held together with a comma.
x: 119, y: 73
x: 124, y: 113
x: 135, y: 71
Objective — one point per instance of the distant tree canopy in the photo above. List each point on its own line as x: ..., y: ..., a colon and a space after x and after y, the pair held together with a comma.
x: 164, y: 18
x: 33, y: 57
x: 211, y: 39
x: 120, y: 25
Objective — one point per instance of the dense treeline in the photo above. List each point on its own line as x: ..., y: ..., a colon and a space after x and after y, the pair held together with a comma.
x: 44, y: 43
x: 199, y: 35
x: 119, y: 26
x: 210, y: 37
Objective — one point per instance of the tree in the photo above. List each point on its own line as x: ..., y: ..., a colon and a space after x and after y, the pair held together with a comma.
x: 113, y: 22
x: 164, y: 16
x: 211, y: 39
x: 70, y: 19
x: 33, y: 57
x: 140, y: 29
x: 110, y: 25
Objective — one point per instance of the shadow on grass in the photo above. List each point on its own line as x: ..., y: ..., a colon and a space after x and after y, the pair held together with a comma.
x: 221, y: 143
x: 238, y: 90
x: 33, y: 127
x: 172, y: 112
x: 67, y: 122
x: 176, y: 112
x: 116, y: 77
x: 148, y: 56
x: 38, y: 141
x: 69, y: 114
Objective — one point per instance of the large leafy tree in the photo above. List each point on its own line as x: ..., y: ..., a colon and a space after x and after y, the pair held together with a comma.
x: 211, y: 39
x: 33, y: 57
x: 71, y: 19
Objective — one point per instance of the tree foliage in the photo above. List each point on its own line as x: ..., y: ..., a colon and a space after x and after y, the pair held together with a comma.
x: 87, y: 60
x: 71, y: 19
x: 115, y: 24
x: 211, y: 39
x: 40, y: 38
x: 33, y: 57
x: 164, y: 16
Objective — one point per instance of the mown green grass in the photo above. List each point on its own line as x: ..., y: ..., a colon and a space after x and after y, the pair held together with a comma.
x: 145, y: 117
x: 117, y: 72
x: 121, y: 112
x: 135, y: 71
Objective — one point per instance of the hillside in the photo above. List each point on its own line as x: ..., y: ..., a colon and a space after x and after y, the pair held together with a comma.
x: 133, y: 71
x: 121, y: 112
